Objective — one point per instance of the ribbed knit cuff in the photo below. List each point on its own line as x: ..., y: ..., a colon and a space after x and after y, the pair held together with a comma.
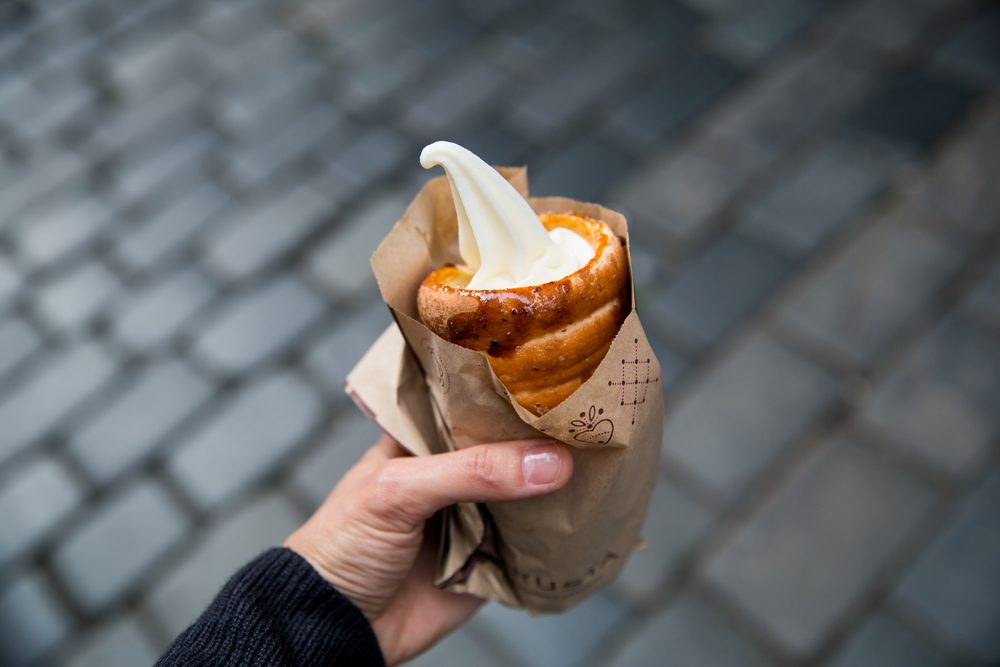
x: 277, y: 611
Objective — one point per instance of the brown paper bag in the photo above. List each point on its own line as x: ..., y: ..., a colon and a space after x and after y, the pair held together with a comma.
x: 544, y: 554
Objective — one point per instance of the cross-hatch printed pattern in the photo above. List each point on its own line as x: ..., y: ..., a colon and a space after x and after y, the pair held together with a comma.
x: 189, y: 194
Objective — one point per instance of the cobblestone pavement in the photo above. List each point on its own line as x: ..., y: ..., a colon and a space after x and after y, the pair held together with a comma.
x: 189, y: 192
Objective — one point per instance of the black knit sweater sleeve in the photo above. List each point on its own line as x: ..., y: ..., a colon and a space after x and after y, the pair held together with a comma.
x: 277, y: 611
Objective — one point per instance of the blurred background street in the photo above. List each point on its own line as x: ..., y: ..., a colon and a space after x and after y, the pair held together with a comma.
x: 189, y: 194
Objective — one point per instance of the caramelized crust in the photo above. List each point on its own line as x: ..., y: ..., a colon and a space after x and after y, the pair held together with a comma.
x: 542, y: 341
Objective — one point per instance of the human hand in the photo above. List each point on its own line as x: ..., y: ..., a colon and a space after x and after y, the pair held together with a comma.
x: 367, y: 538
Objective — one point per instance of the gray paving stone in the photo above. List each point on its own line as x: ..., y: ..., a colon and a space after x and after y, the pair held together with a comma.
x: 744, y: 412
x: 374, y: 81
x: 857, y: 301
x: 334, y: 354
x: 31, y: 621
x: 843, y: 502
x: 674, y: 524
x: 259, y: 325
x: 129, y: 427
x: 689, y: 633
x: 36, y: 114
x: 753, y: 34
x: 796, y: 97
x: 718, y: 289
x: 248, y: 436
x: 148, y: 245
x: 340, y: 263
x: 149, y: 64
x: 265, y: 233
x: 463, y: 647
x: 123, y: 538
x: 57, y: 230
x: 45, y: 174
x: 956, y: 195
x: 34, y: 497
x: 256, y: 107
x: 585, y: 169
x: 66, y: 377
x: 956, y: 583
x: 454, y: 99
x: 367, y: 160
x: 151, y: 316
x: 888, y: 116
x: 541, y: 640
x: 121, y: 642
x: 10, y: 283
x: 176, y: 167
x: 169, y: 111
x: 940, y: 403
x: 819, y: 195
x: 680, y: 91
x: 971, y: 53
x: 589, y: 78
x: 884, y: 641
x: 74, y: 298
x: 983, y: 301
x: 17, y: 341
x: 256, y: 164
x: 351, y: 436
x: 681, y: 192
x: 181, y: 595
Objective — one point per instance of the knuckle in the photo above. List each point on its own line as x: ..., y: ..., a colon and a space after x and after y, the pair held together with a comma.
x: 484, y: 468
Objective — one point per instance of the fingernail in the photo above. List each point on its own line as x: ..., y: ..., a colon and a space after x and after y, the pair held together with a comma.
x: 541, y: 465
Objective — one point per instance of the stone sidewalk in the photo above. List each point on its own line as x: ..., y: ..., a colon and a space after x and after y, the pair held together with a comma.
x: 189, y: 192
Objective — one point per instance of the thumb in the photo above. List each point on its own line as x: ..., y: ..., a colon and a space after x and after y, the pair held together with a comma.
x: 414, y: 488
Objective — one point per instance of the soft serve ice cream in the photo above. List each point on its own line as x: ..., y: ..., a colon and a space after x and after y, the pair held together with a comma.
x: 502, y: 242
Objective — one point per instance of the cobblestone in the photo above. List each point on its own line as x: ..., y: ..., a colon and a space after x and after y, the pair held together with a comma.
x: 674, y: 524
x: 819, y: 196
x: 538, y: 641
x: 756, y: 32
x: 148, y: 245
x: 940, y: 403
x: 58, y: 230
x: 258, y: 326
x: 462, y: 94
x: 340, y: 263
x: 75, y: 298
x: 152, y: 316
x: 33, y: 499
x: 857, y: 301
x: 265, y: 233
x: 689, y: 633
x: 123, y: 538
x: 250, y: 434
x: 333, y: 355
x: 584, y: 170
x: 161, y: 397
x: 119, y: 643
x: 17, y: 341
x: 889, y: 117
x: 67, y: 377
x: 317, y: 474
x: 678, y: 93
x: 187, y: 589
x: 956, y: 584
x: 883, y: 641
x: 744, y: 412
x: 843, y: 502
x: 717, y: 290
x: 32, y: 623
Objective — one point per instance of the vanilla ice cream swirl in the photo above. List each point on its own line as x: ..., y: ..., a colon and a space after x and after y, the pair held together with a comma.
x: 502, y: 242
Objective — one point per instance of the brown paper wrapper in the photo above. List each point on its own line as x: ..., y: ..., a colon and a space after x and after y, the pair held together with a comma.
x: 544, y: 554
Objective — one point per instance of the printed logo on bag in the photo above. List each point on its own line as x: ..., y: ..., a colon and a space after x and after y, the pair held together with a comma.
x: 635, y: 374
x: 438, y: 369
x: 592, y: 428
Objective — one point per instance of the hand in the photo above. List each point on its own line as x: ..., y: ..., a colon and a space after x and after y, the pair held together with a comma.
x: 367, y: 539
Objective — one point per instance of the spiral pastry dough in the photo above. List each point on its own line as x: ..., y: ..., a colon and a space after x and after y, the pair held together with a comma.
x: 543, y: 341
